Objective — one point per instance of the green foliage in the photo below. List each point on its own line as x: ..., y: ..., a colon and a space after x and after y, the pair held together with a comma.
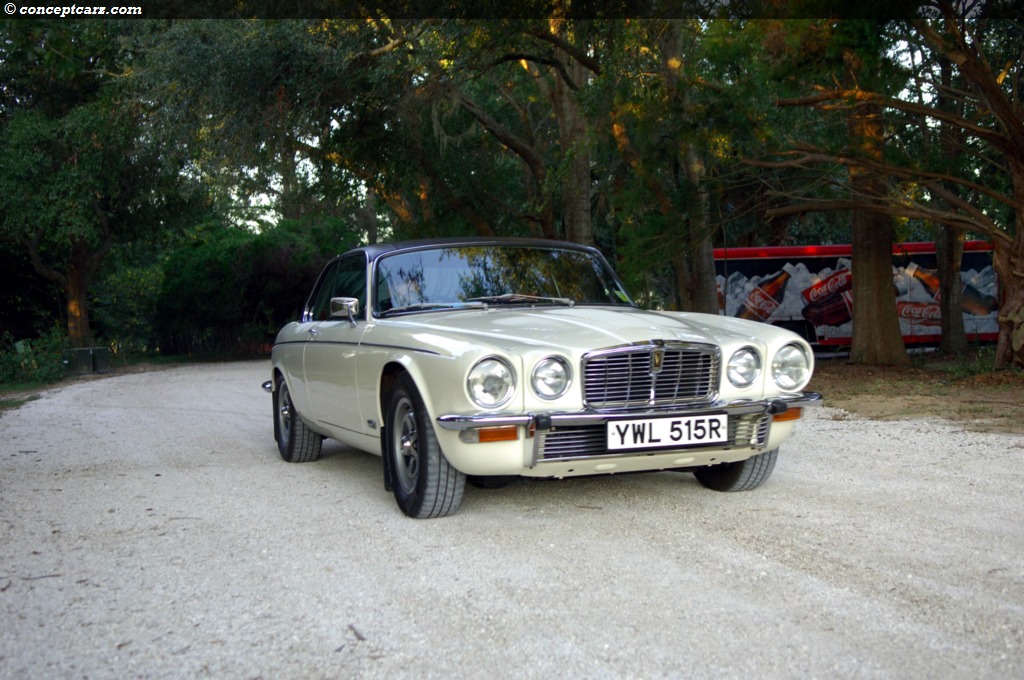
x: 33, y: 361
x: 124, y: 305
x: 230, y: 290
x: 258, y: 125
x: 80, y: 171
x: 27, y: 302
x: 115, y: 135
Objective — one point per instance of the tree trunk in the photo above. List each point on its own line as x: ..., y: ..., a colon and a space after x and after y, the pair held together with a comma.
x: 1008, y: 261
x: 877, y: 338
x: 79, y: 332
x: 699, y: 293
x: 693, y: 257
x: 949, y: 250
x: 1005, y: 132
x: 693, y: 269
x: 82, y: 266
x: 1009, y: 266
x: 572, y: 132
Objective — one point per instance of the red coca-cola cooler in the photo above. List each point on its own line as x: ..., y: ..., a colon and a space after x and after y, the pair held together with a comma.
x: 809, y: 289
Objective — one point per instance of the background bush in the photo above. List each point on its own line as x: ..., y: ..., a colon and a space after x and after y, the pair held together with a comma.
x: 33, y: 361
x: 228, y: 291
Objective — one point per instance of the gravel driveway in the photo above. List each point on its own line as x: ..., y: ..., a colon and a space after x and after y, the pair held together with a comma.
x: 148, y: 528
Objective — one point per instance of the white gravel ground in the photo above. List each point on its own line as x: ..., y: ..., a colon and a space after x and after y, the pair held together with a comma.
x: 149, y: 529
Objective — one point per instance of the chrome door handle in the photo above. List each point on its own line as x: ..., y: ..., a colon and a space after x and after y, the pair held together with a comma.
x: 314, y: 332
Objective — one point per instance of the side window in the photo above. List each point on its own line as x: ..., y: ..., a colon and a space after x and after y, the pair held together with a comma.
x: 319, y: 303
x: 351, y: 281
x: 344, y: 278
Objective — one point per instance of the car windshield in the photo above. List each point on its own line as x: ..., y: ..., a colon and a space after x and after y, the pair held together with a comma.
x: 477, y: 276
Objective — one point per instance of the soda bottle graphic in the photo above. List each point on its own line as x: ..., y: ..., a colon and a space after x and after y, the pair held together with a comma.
x: 766, y: 297
x: 929, y: 278
x: 972, y: 300
x: 835, y: 283
x: 834, y: 310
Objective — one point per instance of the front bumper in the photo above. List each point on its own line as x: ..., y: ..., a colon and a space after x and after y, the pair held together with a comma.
x: 545, y: 421
x: 581, y: 435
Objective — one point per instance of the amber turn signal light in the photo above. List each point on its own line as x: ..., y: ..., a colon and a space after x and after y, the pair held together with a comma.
x: 499, y: 434
x: 788, y: 414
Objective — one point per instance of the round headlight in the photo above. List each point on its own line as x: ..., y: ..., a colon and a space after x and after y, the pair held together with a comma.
x: 550, y: 378
x: 743, y: 367
x: 791, y: 367
x: 491, y: 383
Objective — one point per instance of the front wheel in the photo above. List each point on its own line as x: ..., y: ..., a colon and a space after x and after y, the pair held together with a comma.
x: 424, y: 483
x: 742, y: 475
x: 295, y: 441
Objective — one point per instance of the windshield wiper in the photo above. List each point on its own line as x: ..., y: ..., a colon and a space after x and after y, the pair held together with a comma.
x: 423, y: 306
x: 522, y: 298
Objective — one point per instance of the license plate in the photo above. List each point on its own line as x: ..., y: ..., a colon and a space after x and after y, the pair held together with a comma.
x: 668, y: 433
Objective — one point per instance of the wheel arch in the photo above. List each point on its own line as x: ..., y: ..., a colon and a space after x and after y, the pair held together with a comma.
x: 394, y: 367
x: 388, y: 376
x: 397, y: 365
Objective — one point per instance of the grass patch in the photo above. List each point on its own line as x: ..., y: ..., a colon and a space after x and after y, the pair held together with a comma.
x: 11, y: 404
x: 22, y: 387
x: 977, y: 362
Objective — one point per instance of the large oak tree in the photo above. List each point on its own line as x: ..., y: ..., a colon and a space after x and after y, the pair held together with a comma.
x: 974, y: 182
x: 78, y: 171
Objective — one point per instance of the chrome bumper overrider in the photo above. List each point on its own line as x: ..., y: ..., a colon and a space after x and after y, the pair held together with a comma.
x: 547, y: 421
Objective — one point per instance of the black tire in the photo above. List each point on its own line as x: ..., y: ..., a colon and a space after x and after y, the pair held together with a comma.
x: 424, y: 483
x: 743, y: 475
x: 295, y: 441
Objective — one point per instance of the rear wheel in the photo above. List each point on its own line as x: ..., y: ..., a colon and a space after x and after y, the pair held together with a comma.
x: 295, y: 441
x: 743, y: 475
x: 424, y: 483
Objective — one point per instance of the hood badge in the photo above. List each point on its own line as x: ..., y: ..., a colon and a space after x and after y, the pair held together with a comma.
x: 657, y: 360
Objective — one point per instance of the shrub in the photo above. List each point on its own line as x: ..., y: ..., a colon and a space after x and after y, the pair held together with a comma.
x: 124, y: 308
x: 33, y: 361
x: 229, y: 290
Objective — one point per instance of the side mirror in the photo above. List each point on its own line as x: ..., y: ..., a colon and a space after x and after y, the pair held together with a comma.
x: 345, y: 308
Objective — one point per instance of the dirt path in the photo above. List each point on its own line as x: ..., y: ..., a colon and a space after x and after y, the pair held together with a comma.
x: 149, y: 529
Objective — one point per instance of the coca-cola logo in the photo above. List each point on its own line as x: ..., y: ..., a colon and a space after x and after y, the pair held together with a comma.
x: 761, y: 303
x: 836, y: 283
x: 920, y: 312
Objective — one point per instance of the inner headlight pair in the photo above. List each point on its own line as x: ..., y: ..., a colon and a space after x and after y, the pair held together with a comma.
x: 791, y: 367
x: 492, y: 381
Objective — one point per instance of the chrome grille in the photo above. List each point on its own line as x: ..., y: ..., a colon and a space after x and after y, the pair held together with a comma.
x: 650, y: 375
x: 589, y: 441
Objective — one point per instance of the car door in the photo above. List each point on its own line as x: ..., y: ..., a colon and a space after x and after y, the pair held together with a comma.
x: 332, y: 353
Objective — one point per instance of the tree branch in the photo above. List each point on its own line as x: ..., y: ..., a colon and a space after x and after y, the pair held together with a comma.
x: 854, y: 98
x: 909, y: 210
x: 512, y: 142
x: 809, y: 156
x: 547, y: 61
x: 586, y: 61
x: 46, y: 272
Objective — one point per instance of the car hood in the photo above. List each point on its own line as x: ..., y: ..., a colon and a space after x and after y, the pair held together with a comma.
x: 584, y: 328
